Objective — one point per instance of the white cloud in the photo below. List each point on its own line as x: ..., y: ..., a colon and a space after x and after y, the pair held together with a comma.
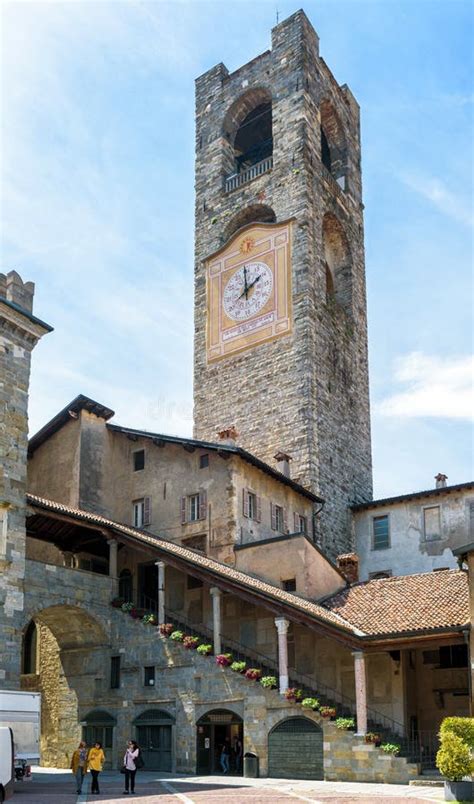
x: 436, y: 387
x: 437, y: 193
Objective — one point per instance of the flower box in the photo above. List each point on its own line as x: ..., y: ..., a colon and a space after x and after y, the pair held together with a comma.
x: 166, y: 629
x: 327, y: 712
x: 204, y: 650
x: 269, y: 682
x: 294, y: 695
x: 190, y: 642
x: 310, y: 703
x: 177, y: 636
x: 345, y: 723
x: 238, y: 667
x: 224, y: 659
x: 373, y: 738
x: 253, y: 674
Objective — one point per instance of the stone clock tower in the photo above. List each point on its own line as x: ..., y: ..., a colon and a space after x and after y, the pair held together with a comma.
x: 280, y: 304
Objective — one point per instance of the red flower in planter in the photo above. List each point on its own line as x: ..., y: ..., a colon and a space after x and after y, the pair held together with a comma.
x: 224, y: 659
x: 327, y: 711
x: 253, y: 673
x: 134, y: 613
x: 293, y: 694
x: 190, y: 642
x: 166, y: 629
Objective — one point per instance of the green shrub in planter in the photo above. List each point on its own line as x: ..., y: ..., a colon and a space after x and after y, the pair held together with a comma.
x: 310, y: 703
x: 238, y: 667
x: 453, y: 759
x: 126, y: 607
x: 391, y: 748
x: 462, y: 727
x: 204, y: 650
x: 177, y: 636
x: 269, y: 682
x: 345, y: 723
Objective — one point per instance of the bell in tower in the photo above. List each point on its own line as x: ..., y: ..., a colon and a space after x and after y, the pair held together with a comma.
x: 280, y: 305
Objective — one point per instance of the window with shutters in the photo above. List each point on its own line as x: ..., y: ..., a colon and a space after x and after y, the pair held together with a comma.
x: 141, y: 512
x: 300, y: 523
x: 432, y: 523
x: 193, y: 508
x: 278, y: 515
x: 380, y: 533
x: 252, y: 505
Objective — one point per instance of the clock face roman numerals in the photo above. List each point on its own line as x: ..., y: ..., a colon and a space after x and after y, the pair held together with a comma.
x: 247, y: 291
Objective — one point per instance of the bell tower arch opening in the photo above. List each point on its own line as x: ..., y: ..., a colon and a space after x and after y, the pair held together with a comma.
x: 247, y: 130
x: 338, y: 263
x: 255, y: 213
x: 60, y: 643
x: 333, y: 143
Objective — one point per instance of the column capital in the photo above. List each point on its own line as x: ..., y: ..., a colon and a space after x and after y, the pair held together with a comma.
x: 282, y: 624
x: 358, y: 654
x: 112, y: 542
x: 159, y: 563
x: 215, y: 591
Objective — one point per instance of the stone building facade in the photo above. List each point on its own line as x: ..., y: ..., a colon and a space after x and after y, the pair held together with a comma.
x: 20, y: 331
x: 305, y: 393
x: 414, y: 532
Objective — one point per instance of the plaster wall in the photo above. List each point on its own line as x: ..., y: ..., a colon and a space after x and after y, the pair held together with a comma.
x: 409, y: 552
x: 53, y: 469
x: 293, y: 557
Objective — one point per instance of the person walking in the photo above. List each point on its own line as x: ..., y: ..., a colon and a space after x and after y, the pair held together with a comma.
x: 130, y: 767
x: 95, y: 761
x: 225, y: 755
x: 79, y: 764
x: 238, y: 751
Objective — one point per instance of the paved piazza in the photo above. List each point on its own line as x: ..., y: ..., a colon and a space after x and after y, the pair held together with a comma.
x: 57, y: 787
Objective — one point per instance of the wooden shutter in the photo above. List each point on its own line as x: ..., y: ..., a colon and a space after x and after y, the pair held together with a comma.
x: 202, y: 504
x: 245, y: 502
x: 285, y: 521
x: 296, y: 523
x: 273, y: 516
x: 147, y: 510
x: 258, y: 517
x: 182, y: 509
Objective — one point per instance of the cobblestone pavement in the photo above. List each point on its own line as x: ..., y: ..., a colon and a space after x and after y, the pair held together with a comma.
x: 57, y: 787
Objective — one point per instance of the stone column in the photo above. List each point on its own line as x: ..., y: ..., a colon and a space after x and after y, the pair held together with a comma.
x: 282, y: 628
x: 216, y: 618
x: 161, y: 591
x: 361, y: 691
x: 113, y: 564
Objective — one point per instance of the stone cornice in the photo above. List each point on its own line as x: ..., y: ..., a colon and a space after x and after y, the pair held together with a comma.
x: 15, y: 320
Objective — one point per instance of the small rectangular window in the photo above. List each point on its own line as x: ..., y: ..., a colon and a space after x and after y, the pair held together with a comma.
x: 380, y: 533
x: 278, y: 518
x: 149, y: 676
x: 115, y: 673
x: 138, y: 513
x: 453, y: 656
x: 431, y: 523
x: 252, y: 503
x: 193, y: 507
x: 289, y: 585
x: 300, y: 524
x: 203, y: 461
x: 138, y: 460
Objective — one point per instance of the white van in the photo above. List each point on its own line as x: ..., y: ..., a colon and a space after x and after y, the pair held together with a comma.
x: 6, y: 763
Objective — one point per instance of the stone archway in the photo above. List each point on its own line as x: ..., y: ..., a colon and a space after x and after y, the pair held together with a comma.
x: 295, y: 749
x: 68, y: 640
x: 215, y: 728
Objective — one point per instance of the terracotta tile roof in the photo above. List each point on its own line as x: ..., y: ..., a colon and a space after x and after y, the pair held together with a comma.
x: 406, y: 603
x: 199, y: 560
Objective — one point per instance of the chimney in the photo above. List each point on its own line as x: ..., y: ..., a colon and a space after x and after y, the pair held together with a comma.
x: 228, y: 436
x: 348, y: 564
x: 283, y: 463
x: 441, y: 480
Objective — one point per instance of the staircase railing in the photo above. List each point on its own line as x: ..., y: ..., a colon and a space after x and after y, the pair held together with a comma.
x: 377, y: 721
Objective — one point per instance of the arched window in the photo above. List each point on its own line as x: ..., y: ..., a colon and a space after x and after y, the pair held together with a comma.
x: 98, y: 727
x: 333, y: 144
x: 256, y: 213
x: 126, y: 585
x: 30, y: 649
x: 247, y: 129
x: 338, y: 263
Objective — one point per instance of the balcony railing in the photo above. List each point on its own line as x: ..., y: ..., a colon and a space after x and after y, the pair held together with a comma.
x: 237, y: 179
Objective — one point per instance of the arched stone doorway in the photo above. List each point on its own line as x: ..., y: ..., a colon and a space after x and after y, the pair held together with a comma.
x: 214, y: 729
x: 61, y: 661
x: 154, y: 730
x: 295, y: 749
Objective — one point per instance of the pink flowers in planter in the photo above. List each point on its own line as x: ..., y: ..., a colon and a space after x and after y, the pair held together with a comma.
x: 293, y: 694
x: 166, y: 629
x: 253, y: 674
x: 224, y: 659
x: 191, y: 642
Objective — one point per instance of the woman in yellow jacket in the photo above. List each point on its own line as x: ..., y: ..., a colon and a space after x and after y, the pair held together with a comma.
x: 79, y: 764
x: 95, y: 761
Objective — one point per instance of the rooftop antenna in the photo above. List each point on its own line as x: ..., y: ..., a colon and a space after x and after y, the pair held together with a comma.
x: 277, y: 14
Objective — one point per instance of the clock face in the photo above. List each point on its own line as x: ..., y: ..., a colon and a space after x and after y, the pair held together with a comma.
x: 247, y: 291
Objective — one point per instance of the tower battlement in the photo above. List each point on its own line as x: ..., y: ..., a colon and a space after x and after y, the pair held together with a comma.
x: 14, y: 290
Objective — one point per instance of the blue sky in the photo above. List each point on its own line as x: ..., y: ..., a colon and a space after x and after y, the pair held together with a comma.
x: 97, y: 190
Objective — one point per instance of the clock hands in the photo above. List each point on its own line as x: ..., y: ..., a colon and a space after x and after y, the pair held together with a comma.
x: 247, y: 287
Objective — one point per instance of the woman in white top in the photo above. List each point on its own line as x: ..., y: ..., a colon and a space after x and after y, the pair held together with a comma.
x: 129, y: 764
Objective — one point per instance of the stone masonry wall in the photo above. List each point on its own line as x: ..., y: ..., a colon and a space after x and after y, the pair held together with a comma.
x: 307, y: 393
x: 19, y: 333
